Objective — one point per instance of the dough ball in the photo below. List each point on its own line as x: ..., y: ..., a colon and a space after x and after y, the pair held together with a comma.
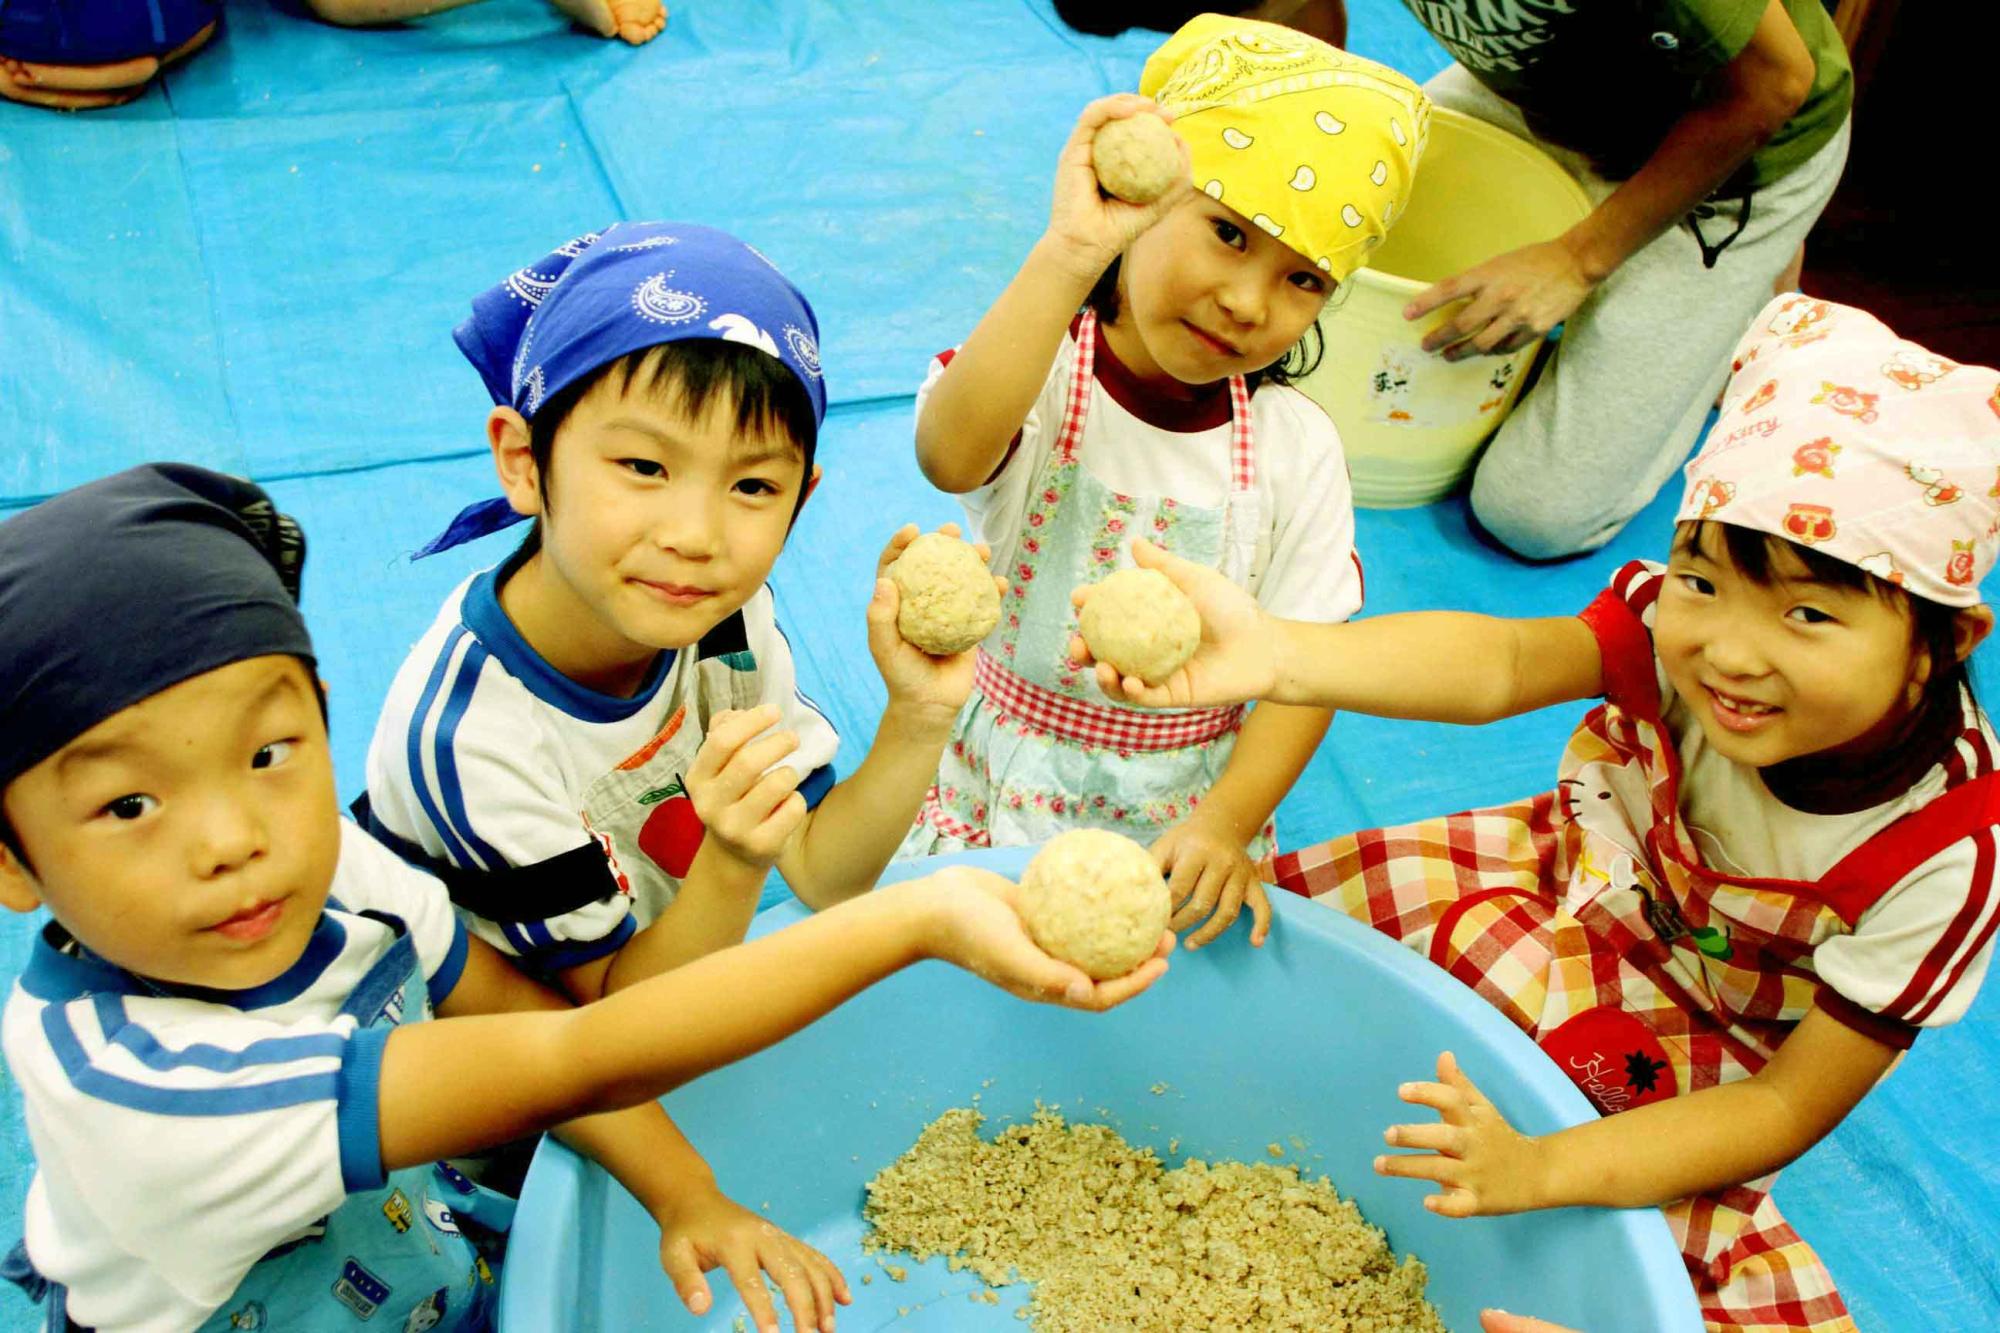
x: 1140, y: 623
x: 1095, y: 899
x: 1137, y: 158
x: 949, y: 601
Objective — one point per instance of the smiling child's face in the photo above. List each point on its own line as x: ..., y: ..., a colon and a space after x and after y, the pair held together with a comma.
x: 190, y: 838
x: 1207, y: 294
x: 1790, y: 667
x: 657, y: 523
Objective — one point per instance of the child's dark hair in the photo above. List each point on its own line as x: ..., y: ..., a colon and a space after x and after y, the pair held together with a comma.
x: 1933, y: 625
x: 12, y: 843
x: 687, y: 373
x: 1301, y: 360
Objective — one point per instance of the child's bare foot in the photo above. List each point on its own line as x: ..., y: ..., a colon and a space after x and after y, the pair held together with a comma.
x: 636, y: 21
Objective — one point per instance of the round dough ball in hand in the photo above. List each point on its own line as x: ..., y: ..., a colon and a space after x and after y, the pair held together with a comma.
x: 1136, y: 157
x: 949, y: 600
x: 1140, y: 623
x: 1095, y: 899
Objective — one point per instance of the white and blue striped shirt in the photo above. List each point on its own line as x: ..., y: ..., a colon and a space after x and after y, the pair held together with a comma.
x: 180, y: 1135
x: 522, y: 787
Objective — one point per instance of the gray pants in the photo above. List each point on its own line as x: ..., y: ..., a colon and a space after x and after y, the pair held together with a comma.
x: 1624, y: 394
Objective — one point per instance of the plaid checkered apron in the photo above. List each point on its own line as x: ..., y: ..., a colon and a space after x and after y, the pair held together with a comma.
x: 1587, y: 916
x: 1038, y: 748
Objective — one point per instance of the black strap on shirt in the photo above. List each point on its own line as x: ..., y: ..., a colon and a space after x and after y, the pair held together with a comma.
x: 728, y: 636
x: 561, y: 884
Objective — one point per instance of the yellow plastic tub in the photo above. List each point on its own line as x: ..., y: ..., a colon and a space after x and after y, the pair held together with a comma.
x: 1411, y: 421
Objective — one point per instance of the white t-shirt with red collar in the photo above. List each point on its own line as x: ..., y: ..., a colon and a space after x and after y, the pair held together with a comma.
x: 1140, y: 440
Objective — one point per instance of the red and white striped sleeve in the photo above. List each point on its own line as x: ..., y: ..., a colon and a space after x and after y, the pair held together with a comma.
x: 1622, y: 619
x: 1917, y: 957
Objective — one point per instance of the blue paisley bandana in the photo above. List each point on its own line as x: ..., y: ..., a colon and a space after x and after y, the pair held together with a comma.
x: 608, y: 294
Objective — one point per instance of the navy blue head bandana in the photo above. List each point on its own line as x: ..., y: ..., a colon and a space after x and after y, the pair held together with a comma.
x: 119, y: 589
x: 608, y: 294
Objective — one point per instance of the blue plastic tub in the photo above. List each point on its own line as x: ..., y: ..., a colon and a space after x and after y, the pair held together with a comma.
x: 1301, y: 1043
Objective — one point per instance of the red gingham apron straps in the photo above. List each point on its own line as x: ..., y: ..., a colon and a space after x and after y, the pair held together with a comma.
x: 1076, y: 403
x: 1124, y: 730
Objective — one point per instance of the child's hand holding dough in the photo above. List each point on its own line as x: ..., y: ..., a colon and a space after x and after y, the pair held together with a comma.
x: 922, y: 687
x: 1095, y: 899
x: 1137, y: 158
x: 1140, y: 624
x: 1087, y: 227
x: 1239, y: 657
x: 947, y: 601
x: 979, y: 923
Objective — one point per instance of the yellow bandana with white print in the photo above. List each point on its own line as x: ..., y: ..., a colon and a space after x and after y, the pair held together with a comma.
x: 1316, y: 146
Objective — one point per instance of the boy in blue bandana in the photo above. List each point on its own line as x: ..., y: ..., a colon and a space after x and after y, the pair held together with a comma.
x: 234, y: 1102
x: 599, y: 744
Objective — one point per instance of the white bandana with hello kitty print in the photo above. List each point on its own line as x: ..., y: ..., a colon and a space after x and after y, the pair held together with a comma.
x: 1836, y: 434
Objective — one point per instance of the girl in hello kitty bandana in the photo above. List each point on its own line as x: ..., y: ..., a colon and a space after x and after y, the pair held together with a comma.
x: 1769, y: 860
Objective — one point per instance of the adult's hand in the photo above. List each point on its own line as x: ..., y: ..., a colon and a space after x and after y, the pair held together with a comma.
x: 1511, y: 301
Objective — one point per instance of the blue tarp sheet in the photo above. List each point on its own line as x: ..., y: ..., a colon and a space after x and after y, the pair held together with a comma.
x: 258, y: 264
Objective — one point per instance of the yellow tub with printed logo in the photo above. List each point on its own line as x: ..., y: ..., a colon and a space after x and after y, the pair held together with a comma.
x: 1411, y: 421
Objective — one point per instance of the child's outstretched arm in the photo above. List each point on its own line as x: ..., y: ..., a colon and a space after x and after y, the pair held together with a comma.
x: 978, y: 404
x: 459, y: 1084
x: 700, y: 1226
x: 1650, y: 1155
x: 1439, y: 666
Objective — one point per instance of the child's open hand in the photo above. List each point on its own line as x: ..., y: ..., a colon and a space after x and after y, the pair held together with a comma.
x: 977, y: 927
x: 1484, y: 1164
x: 750, y: 813
x: 705, y: 1229
x: 936, y: 686
x: 1236, y: 661
x: 1090, y: 228
x: 1209, y: 875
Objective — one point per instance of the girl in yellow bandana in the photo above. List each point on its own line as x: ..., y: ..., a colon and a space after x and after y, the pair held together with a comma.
x: 1132, y: 380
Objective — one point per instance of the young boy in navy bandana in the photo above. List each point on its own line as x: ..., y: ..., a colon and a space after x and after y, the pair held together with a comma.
x: 599, y: 745
x: 234, y: 1103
